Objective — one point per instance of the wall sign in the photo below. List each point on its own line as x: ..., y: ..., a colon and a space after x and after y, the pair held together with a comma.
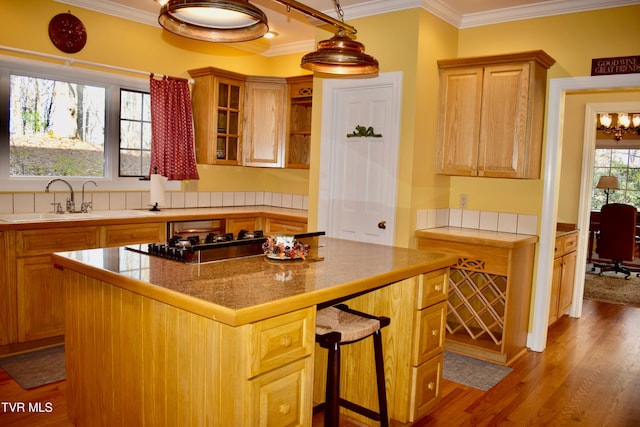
x: 616, y: 65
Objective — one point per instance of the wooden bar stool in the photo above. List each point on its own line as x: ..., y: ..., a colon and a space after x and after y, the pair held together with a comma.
x: 339, y: 325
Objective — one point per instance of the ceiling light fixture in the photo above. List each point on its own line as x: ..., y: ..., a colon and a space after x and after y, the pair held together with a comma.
x: 214, y: 20
x: 238, y: 20
x: 626, y: 123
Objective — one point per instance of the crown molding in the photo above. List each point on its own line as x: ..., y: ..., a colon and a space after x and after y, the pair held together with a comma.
x: 538, y: 10
x: 376, y: 7
x: 118, y: 10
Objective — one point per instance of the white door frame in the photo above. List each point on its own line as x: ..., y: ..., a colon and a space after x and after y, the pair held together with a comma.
x: 329, y: 110
x: 584, y: 214
x: 537, y: 338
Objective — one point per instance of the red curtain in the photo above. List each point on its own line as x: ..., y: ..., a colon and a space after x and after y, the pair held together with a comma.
x: 172, y: 141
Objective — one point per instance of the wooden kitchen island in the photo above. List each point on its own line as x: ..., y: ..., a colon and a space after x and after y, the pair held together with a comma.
x: 151, y: 341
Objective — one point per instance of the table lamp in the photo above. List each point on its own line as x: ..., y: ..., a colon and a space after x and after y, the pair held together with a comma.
x: 609, y: 184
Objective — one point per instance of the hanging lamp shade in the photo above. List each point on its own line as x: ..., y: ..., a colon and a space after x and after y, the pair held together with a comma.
x: 214, y: 20
x: 340, y: 55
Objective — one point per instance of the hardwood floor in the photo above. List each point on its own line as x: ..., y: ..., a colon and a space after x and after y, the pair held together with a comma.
x: 589, y: 375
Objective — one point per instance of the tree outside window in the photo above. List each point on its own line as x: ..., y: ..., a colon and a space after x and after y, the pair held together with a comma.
x: 56, y: 128
x: 622, y: 163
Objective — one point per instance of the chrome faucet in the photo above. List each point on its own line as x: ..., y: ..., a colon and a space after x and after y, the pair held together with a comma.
x: 84, y: 207
x: 71, y: 204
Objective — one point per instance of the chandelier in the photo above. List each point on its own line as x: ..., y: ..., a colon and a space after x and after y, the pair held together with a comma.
x: 625, y: 123
x: 238, y: 20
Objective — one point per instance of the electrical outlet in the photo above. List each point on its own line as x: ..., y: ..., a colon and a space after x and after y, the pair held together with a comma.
x: 464, y: 201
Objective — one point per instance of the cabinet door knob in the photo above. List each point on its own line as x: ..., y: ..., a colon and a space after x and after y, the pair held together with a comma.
x: 285, y: 408
x: 431, y: 385
x: 382, y: 225
x: 285, y: 341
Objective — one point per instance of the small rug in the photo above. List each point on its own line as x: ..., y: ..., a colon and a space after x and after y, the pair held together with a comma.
x: 472, y: 372
x: 612, y: 289
x: 36, y: 368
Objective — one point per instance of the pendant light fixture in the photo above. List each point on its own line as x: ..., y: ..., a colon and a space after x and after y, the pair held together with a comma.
x: 214, y: 20
x: 238, y: 20
x: 340, y: 54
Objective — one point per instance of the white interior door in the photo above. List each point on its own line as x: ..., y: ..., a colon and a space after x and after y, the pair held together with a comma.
x: 359, y: 158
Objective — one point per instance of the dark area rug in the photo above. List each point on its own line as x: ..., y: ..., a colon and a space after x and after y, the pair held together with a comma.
x: 612, y: 288
x: 36, y: 368
x: 472, y: 372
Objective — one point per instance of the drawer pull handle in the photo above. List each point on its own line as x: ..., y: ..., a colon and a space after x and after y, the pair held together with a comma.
x: 438, y: 287
x: 285, y: 341
x: 434, y: 332
x: 285, y: 408
x: 431, y: 385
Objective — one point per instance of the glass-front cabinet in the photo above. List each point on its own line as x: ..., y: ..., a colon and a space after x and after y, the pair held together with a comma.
x: 217, y: 113
x: 299, y: 138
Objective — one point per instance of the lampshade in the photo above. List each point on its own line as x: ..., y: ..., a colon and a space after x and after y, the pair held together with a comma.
x: 214, y: 20
x: 340, y: 55
x: 608, y: 183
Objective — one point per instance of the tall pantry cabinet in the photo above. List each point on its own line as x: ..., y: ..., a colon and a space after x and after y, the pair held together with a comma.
x: 491, y: 115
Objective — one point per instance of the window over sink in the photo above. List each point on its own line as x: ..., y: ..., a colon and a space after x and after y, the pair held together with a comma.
x: 64, y: 121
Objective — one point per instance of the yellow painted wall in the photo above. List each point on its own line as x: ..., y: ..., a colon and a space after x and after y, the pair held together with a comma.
x: 573, y: 40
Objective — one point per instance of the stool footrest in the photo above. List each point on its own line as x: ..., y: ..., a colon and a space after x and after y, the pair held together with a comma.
x: 360, y: 409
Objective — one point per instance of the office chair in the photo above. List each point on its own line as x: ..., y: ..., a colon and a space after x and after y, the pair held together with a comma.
x: 617, y: 241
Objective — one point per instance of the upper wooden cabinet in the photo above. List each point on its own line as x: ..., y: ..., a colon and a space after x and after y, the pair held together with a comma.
x: 491, y: 115
x: 299, y: 138
x: 218, y: 102
x: 264, y: 121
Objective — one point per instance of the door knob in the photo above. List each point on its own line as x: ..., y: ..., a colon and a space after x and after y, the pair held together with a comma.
x: 382, y: 225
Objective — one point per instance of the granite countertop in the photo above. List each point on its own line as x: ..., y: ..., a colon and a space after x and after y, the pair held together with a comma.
x: 475, y: 236
x: 244, y: 290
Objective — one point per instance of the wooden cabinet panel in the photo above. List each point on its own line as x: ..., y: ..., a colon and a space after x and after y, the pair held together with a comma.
x: 459, y: 123
x: 425, y: 386
x: 40, y: 242
x: 491, y: 115
x: 279, y: 340
x: 218, y: 104
x: 40, y: 299
x: 273, y: 225
x: 432, y: 288
x: 118, y: 235
x: 556, y: 278
x: 562, y: 282
x: 234, y: 225
x: 282, y: 397
x: 300, y: 109
x: 503, y: 137
x: 264, y: 123
x: 430, y: 332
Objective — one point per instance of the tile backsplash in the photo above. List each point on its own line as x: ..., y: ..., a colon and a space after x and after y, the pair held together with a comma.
x: 481, y: 220
x: 42, y: 202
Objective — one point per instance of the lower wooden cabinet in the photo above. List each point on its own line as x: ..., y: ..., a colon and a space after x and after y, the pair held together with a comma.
x: 274, y: 225
x: 128, y: 234
x: 251, y: 223
x: 280, y: 397
x: 564, y: 271
x: 40, y: 299
x: 35, y: 286
x: 489, y: 290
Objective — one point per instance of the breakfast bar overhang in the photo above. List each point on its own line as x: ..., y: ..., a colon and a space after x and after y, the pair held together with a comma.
x: 151, y: 341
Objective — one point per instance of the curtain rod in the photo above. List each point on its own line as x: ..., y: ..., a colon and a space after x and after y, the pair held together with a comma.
x: 71, y: 61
